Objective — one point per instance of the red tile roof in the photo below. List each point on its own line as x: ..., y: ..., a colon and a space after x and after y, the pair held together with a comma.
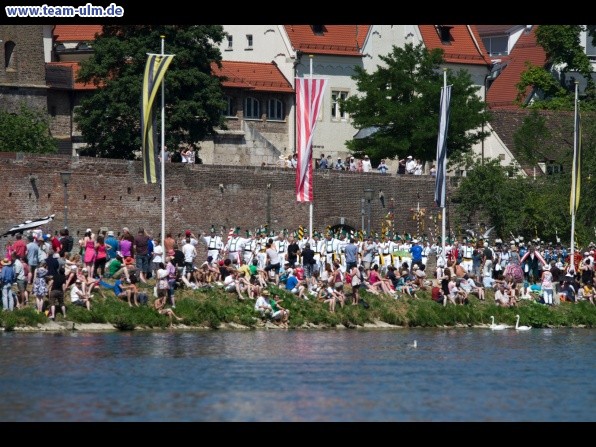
x: 338, y: 40
x: 257, y: 76
x: 75, y: 33
x: 461, y: 49
x: 503, y: 91
x: 67, y: 72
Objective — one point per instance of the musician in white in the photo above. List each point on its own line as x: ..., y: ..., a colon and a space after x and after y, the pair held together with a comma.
x: 467, y: 253
x: 214, y: 244
x: 386, y: 249
x: 234, y: 247
x: 249, y: 249
x: 331, y: 249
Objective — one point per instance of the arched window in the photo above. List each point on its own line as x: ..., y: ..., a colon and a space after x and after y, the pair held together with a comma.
x: 275, y: 110
x: 252, y: 108
x: 9, y: 56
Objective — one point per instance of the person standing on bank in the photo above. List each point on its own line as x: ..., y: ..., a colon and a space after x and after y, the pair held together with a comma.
x: 141, y: 250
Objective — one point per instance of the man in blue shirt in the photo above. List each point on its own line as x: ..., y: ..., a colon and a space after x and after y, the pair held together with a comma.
x: 114, y: 245
x: 351, y: 252
x: 416, y: 251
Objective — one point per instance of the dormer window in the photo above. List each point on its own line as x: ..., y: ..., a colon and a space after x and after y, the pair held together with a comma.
x: 318, y: 29
x: 444, y: 32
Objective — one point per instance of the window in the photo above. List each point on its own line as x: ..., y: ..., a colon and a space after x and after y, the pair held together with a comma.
x: 230, y: 42
x: 275, y: 110
x: 444, y: 33
x: 249, y: 41
x: 9, y: 56
x: 553, y: 168
x: 590, y: 48
x: 252, y: 108
x: 230, y: 109
x: 318, y: 30
x: 496, y: 46
x: 336, y: 112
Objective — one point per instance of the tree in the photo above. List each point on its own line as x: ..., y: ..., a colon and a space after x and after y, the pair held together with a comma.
x: 402, y: 99
x: 27, y: 131
x: 563, y: 50
x: 110, y: 118
x: 533, y: 140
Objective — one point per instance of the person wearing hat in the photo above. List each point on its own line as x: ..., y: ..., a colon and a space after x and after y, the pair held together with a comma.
x: 547, y: 285
x: 262, y: 305
x: 366, y: 166
x: 112, y: 244
x: 7, y: 278
x: 78, y: 297
x: 213, y: 243
x: 410, y: 165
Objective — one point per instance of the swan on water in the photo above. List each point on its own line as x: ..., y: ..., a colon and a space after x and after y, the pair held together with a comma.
x: 520, y: 328
x: 496, y: 327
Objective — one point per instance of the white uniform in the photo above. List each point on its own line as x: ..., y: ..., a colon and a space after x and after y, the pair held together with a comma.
x: 249, y: 250
x: 234, y: 247
x: 467, y: 253
x: 214, y: 245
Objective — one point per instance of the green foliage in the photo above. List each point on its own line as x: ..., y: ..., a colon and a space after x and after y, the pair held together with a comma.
x: 26, y: 131
x: 110, y: 117
x: 564, y: 51
x: 212, y: 308
x: 402, y: 98
x: 562, y: 46
x: 533, y: 139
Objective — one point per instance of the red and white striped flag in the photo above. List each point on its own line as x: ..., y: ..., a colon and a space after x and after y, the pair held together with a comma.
x: 309, y: 95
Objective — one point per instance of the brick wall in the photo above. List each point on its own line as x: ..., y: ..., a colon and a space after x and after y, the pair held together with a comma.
x: 111, y: 193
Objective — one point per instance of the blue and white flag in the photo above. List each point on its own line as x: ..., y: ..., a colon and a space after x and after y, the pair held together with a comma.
x: 442, y: 146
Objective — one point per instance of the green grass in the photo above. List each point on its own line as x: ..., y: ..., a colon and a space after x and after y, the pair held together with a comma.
x: 212, y: 308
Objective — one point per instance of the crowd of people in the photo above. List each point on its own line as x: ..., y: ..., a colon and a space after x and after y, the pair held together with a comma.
x: 331, y: 267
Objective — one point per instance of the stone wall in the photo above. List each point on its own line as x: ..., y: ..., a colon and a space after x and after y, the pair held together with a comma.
x: 111, y: 193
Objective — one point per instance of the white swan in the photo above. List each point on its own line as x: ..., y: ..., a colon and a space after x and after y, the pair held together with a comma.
x: 520, y: 328
x: 496, y: 327
x: 414, y: 344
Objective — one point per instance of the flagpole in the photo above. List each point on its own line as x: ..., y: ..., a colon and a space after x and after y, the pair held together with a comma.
x: 443, y: 209
x: 311, y: 204
x: 163, y: 142
x: 574, y: 179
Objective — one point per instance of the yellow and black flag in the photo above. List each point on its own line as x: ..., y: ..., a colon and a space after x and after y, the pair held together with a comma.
x: 300, y: 232
x: 577, y: 165
x: 155, y: 70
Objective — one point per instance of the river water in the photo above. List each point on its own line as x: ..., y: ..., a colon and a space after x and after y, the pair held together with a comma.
x: 324, y: 375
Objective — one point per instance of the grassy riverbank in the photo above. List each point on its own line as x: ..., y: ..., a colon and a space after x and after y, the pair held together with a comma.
x: 214, y: 308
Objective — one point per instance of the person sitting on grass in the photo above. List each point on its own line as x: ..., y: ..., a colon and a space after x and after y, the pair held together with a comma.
x: 293, y: 285
x: 280, y: 314
x: 330, y: 295
x: 501, y: 296
x: 159, y: 305
x: 78, y: 297
x: 468, y: 285
x: 262, y: 305
x: 116, y: 268
x: 122, y: 290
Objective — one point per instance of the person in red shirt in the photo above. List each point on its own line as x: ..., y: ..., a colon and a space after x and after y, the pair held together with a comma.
x: 19, y: 247
x: 56, y: 244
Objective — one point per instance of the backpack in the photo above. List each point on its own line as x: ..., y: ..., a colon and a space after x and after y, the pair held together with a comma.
x: 8, y: 276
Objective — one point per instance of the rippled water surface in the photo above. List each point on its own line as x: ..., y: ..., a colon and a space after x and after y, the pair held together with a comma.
x: 334, y: 375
